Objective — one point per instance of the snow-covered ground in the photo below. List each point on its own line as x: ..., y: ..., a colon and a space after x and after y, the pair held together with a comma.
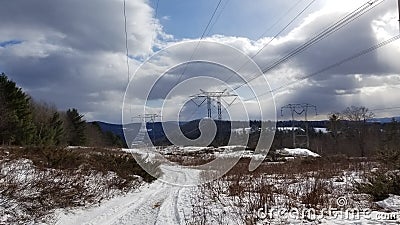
x: 298, y: 152
x: 155, y: 203
x: 163, y: 203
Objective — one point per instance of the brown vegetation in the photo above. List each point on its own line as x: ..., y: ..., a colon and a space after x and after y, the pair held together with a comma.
x: 34, y: 181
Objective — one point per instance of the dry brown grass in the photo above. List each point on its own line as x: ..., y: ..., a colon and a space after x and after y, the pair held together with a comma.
x: 34, y: 181
x: 300, y: 183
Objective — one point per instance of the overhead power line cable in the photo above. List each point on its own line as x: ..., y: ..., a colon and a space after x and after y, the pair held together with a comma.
x: 320, y: 36
x: 217, y: 17
x: 126, y: 43
x: 198, y: 43
x: 327, y: 32
x: 284, y: 28
x: 280, y: 19
x: 357, y: 55
x: 276, y: 35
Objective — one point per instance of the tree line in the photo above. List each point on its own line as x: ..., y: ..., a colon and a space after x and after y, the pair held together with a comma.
x: 350, y: 132
x: 25, y: 121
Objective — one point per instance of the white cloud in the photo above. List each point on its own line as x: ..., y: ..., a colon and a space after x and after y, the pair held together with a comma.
x: 73, y: 53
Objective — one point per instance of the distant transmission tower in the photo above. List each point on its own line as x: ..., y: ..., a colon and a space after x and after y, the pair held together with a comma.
x: 300, y: 109
x: 217, y: 96
x: 398, y: 6
x: 139, y: 139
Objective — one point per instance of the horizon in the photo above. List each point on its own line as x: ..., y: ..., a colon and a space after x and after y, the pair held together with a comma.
x: 77, y: 59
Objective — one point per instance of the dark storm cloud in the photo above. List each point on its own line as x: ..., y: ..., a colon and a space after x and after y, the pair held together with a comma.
x: 72, y: 52
x: 343, y: 85
x: 92, y: 25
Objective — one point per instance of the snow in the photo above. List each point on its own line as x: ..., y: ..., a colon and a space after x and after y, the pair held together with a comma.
x: 162, y: 203
x: 321, y: 129
x: 289, y: 128
x: 155, y: 203
x: 391, y: 204
x: 246, y: 130
x: 298, y: 152
x: 147, y: 155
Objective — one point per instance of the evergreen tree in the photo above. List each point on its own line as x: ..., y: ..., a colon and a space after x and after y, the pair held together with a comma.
x: 49, y: 126
x: 57, y: 127
x: 76, y: 128
x: 17, y: 126
x: 389, y: 150
x: 334, y: 126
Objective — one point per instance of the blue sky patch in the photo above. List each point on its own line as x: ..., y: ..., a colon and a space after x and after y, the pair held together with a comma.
x: 4, y: 44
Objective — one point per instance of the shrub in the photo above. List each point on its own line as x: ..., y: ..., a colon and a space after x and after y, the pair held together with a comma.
x: 380, y: 185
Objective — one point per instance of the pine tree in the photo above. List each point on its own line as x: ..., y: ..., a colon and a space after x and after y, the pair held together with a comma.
x: 334, y: 126
x: 17, y: 126
x: 389, y: 150
x: 58, y: 129
x: 76, y: 128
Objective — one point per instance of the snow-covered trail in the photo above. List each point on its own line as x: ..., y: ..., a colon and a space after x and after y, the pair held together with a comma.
x: 156, y: 203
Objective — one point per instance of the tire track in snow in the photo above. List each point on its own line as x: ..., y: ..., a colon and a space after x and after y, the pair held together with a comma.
x: 156, y: 203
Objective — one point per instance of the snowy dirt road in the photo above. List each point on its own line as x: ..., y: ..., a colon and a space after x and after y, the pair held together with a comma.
x: 155, y: 203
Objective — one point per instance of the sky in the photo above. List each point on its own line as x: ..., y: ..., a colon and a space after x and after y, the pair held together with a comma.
x: 72, y: 53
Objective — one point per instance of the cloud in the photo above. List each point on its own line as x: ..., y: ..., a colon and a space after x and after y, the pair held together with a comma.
x: 72, y: 53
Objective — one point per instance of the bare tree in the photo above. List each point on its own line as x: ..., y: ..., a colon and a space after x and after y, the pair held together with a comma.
x: 357, y: 126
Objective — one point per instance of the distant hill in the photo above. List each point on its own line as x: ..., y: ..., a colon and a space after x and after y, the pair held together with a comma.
x: 385, y: 119
x: 133, y: 128
x: 189, y: 128
x: 113, y: 128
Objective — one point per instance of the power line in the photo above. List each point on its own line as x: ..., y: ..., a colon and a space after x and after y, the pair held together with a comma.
x: 210, y: 96
x: 320, y: 36
x: 198, y: 43
x: 284, y: 28
x: 272, y: 39
x: 155, y: 25
x: 280, y: 19
x: 398, y: 6
x: 126, y: 43
x: 212, y: 16
x: 357, y: 55
x: 327, y: 32
x: 361, y: 53
x: 156, y: 14
x: 140, y: 137
x: 217, y: 17
x: 304, y: 107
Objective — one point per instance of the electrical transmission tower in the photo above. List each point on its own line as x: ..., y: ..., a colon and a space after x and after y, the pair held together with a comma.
x: 398, y: 6
x: 300, y: 109
x: 217, y: 96
x: 139, y: 139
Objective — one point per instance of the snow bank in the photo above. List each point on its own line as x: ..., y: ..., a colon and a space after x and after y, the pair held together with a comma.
x: 302, y: 152
x: 392, y: 203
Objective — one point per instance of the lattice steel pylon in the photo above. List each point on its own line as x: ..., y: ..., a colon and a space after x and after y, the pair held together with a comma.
x: 299, y: 109
x: 139, y: 140
x: 210, y: 96
x: 398, y: 6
